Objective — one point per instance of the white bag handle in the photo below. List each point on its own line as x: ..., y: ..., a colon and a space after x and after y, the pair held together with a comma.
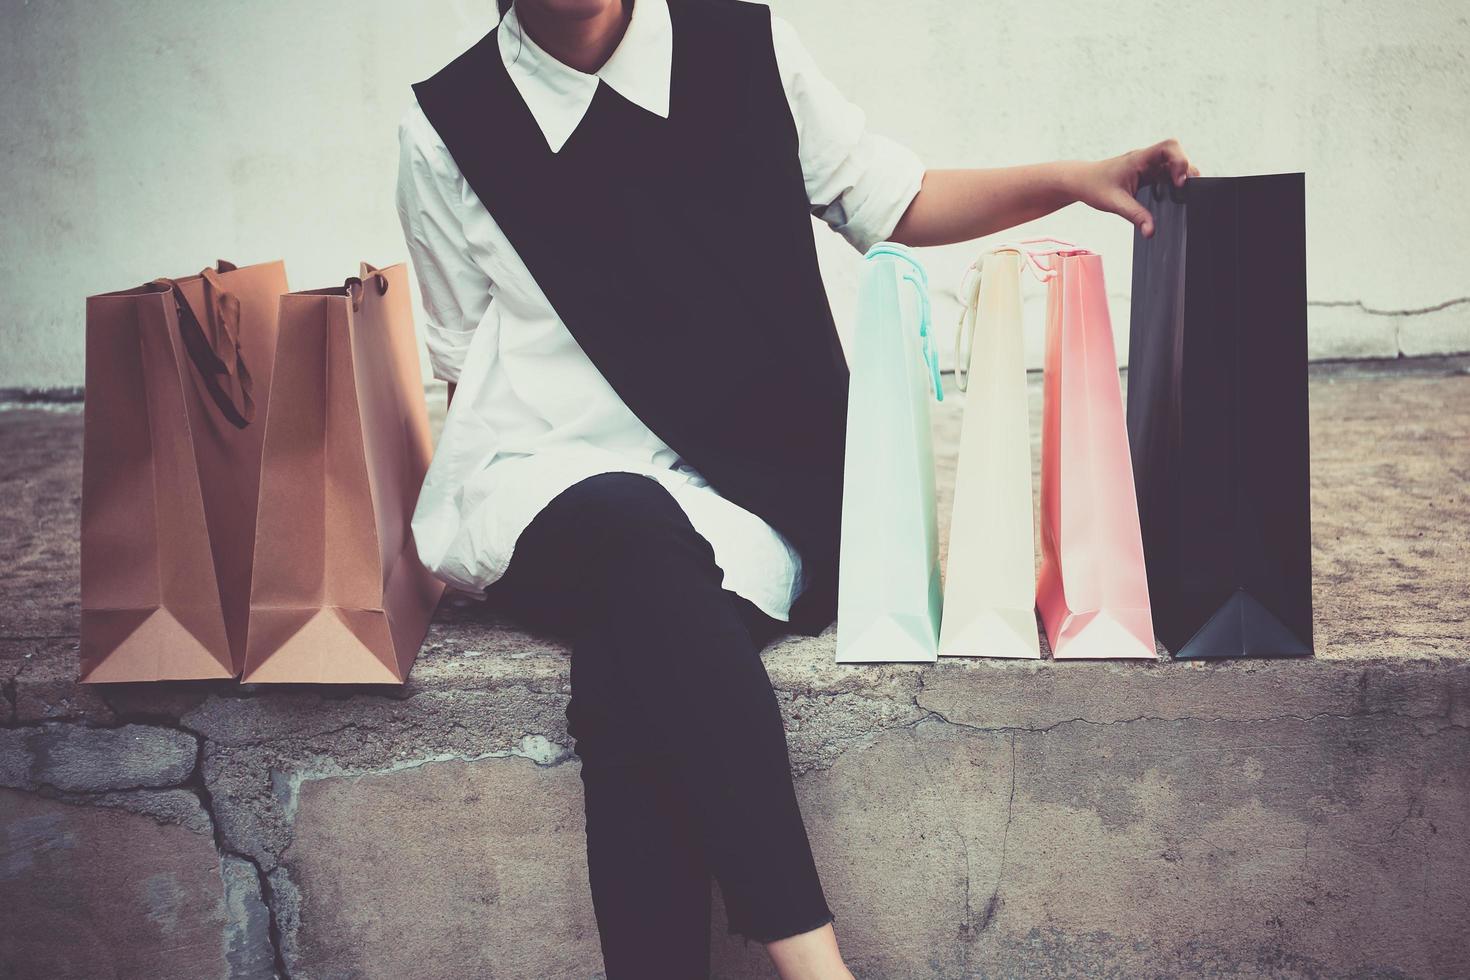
x: 969, y: 292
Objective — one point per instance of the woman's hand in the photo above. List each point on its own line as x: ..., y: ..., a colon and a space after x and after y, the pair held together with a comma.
x: 1110, y: 185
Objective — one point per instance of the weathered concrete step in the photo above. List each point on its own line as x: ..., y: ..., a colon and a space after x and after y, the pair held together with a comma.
x: 1229, y: 821
x: 971, y: 818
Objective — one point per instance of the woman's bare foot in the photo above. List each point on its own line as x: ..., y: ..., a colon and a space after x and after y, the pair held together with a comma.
x: 809, y: 956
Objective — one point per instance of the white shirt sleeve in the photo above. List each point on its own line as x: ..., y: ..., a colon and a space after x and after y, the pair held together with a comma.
x: 858, y: 182
x: 456, y: 291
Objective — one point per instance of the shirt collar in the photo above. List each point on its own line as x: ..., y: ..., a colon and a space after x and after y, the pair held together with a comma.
x: 558, y: 95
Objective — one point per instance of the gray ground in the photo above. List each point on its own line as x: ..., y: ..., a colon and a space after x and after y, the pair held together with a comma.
x: 1390, y: 508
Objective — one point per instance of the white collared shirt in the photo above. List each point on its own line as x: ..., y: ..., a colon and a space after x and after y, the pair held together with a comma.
x: 532, y: 415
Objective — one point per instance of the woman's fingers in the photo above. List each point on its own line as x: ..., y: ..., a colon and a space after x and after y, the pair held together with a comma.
x: 1167, y: 157
x: 1120, y: 177
x: 1128, y: 207
x: 1177, y: 162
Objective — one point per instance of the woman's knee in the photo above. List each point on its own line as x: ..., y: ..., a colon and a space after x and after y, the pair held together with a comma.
x: 621, y: 523
x: 614, y: 498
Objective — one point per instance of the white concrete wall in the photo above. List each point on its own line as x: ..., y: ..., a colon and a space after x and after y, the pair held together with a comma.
x: 150, y: 137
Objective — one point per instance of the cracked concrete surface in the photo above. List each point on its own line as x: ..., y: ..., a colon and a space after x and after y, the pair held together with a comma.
x: 971, y: 818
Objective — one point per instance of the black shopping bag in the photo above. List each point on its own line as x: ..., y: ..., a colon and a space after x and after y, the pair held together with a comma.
x: 1217, y: 415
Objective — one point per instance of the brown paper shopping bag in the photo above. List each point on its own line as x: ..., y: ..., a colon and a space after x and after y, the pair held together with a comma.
x: 339, y: 594
x: 170, y: 466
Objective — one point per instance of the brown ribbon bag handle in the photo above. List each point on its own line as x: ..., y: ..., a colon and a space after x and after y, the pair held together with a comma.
x: 215, y: 347
x: 354, y: 285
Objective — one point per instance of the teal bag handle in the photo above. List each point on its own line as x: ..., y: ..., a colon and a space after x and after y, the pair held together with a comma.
x: 913, y: 272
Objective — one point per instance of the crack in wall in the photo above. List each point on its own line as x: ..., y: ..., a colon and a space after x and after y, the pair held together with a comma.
x: 1400, y: 318
x: 200, y: 787
x: 967, y: 917
x: 993, y: 905
x: 1414, y: 810
x: 1409, y: 311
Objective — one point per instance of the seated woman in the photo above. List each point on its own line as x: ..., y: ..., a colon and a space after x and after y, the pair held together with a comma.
x: 608, y: 207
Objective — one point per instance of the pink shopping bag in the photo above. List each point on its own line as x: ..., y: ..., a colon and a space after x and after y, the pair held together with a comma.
x: 1092, y: 592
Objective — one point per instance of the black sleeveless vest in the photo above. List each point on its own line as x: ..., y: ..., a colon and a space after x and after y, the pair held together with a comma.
x: 679, y: 254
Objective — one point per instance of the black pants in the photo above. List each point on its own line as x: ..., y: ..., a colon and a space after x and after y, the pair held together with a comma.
x: 683, y: 749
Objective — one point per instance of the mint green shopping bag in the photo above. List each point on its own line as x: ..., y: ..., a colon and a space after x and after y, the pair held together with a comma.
x: 888, y: 589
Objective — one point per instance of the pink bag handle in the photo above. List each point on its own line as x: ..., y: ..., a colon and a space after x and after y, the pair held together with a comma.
x: 969, y: 291
x: 1030, y: 254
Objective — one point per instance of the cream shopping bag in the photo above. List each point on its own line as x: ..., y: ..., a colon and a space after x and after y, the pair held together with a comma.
x: 990, y: 572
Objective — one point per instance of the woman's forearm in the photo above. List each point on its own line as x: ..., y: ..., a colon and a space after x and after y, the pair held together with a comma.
x: 958, y: 205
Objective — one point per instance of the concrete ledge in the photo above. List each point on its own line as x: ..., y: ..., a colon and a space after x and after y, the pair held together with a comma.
x: 971, y: 818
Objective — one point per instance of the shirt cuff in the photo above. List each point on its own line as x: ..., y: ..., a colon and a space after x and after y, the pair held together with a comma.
x: 447, y: 350
x: 890, y: 177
